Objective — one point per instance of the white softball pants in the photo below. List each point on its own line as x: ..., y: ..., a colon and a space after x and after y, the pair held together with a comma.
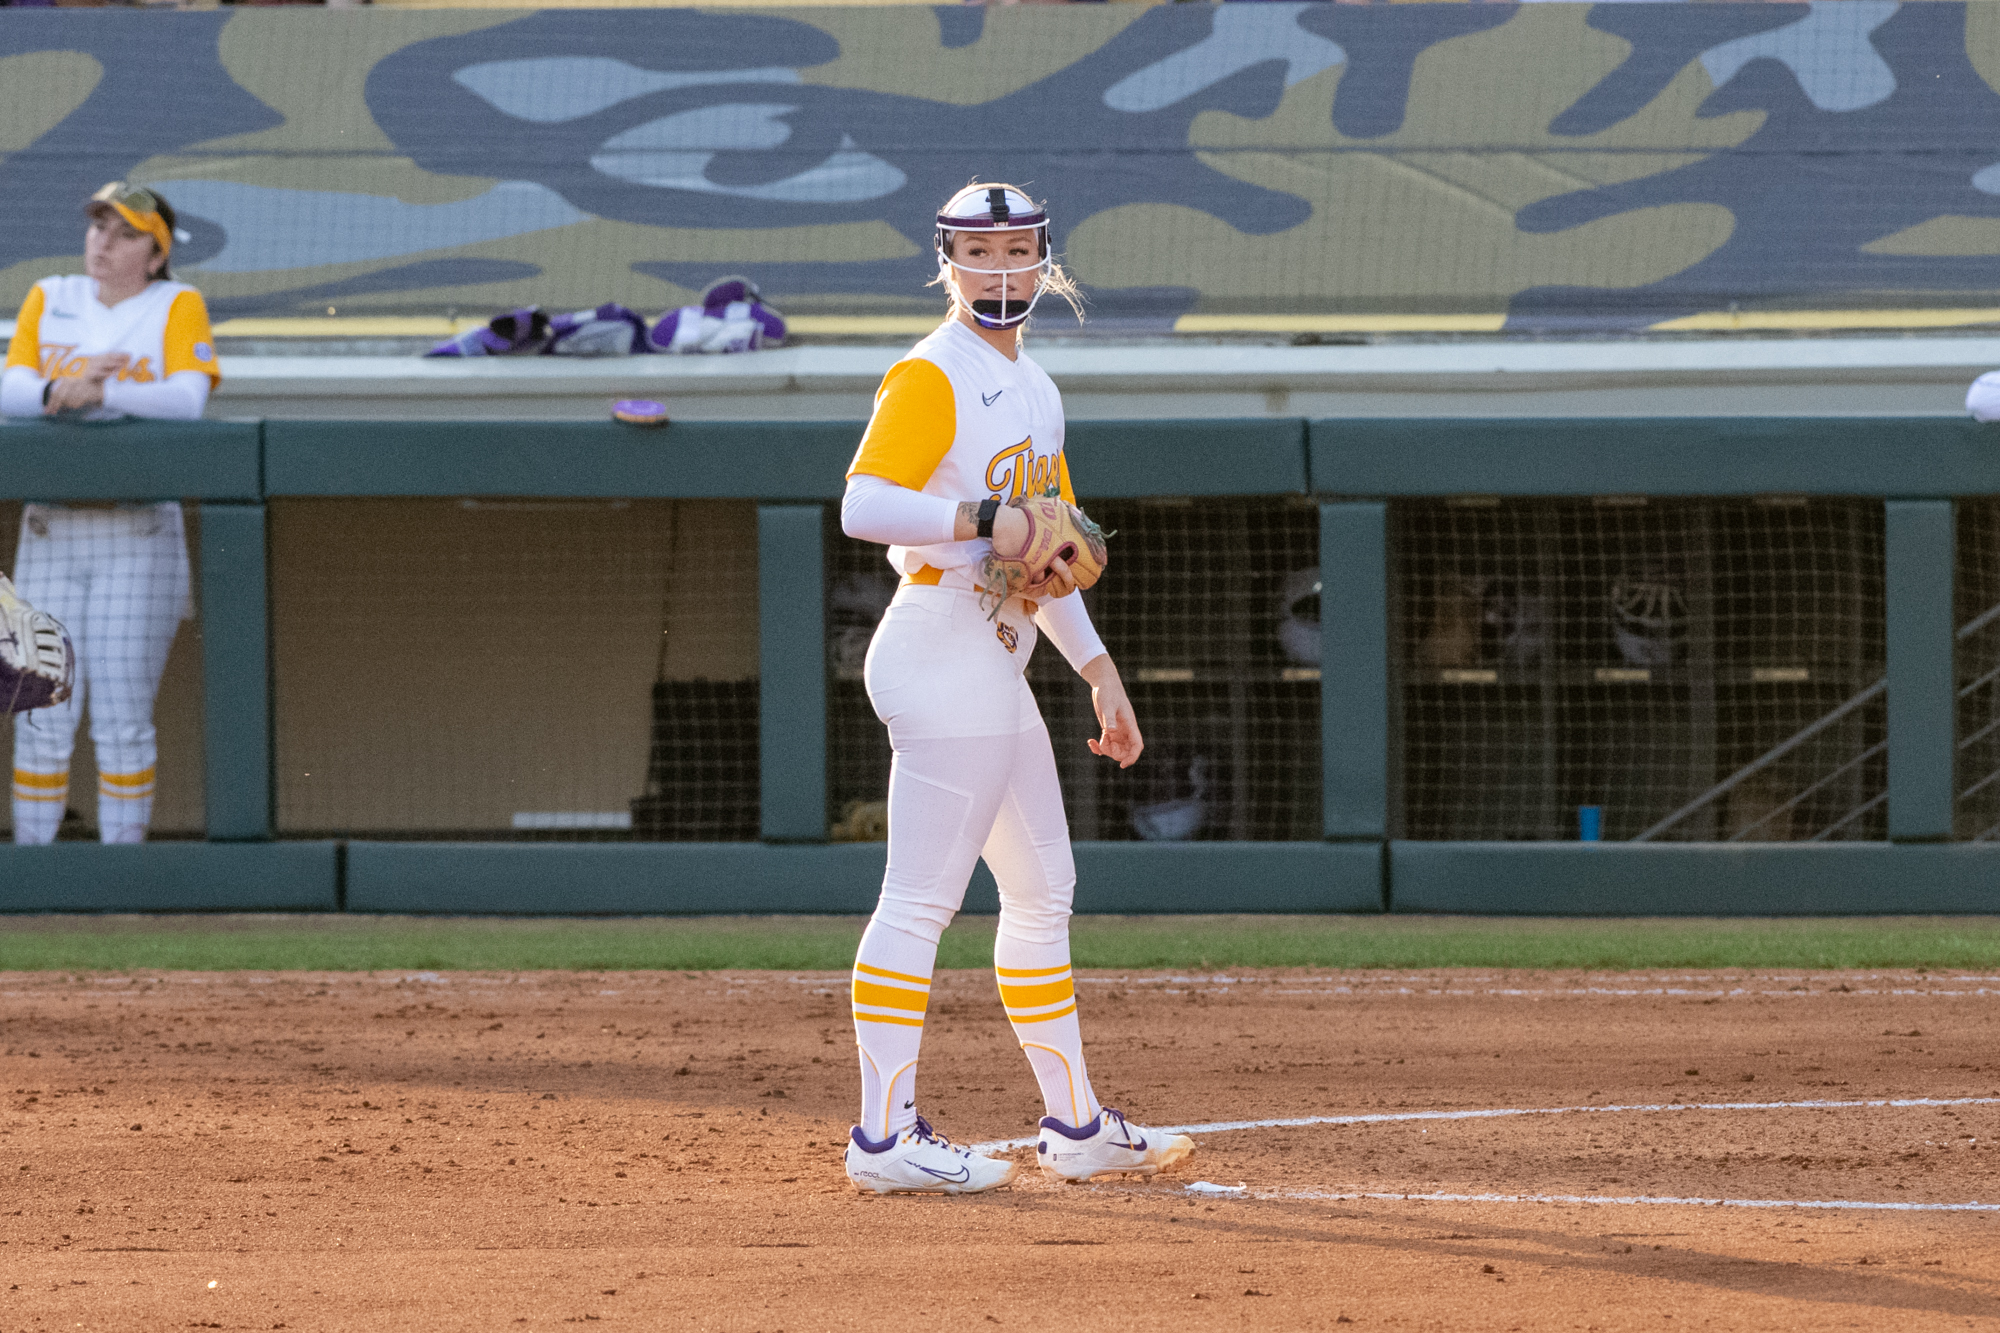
x: 973, y: 773
x: 118, y: 580
x: 973, y: 776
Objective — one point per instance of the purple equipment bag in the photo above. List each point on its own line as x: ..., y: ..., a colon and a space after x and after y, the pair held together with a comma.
x: 732, y: 317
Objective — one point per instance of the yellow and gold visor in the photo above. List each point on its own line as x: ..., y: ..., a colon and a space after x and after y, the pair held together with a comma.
x: 140, y: 209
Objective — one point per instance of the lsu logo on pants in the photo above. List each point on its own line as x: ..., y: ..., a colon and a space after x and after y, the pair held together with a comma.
x: 1008, y: 635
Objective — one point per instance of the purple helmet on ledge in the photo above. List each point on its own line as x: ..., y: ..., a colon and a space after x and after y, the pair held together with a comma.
x: 992, y: 209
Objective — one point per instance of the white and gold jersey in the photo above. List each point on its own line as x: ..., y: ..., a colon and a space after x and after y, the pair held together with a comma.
x: 958, y: 420
x: 163, y: 329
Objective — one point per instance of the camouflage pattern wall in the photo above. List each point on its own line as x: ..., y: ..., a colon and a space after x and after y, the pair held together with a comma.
x: 1552, y: 166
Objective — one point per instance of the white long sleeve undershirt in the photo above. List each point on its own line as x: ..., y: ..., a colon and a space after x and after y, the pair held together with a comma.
x: 20, y: 392
x: 1983, y: 398
x: 1067, y: 623
x: 181, y: 396
x: 875, y: 509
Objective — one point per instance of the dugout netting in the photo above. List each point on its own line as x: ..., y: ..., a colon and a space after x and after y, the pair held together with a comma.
x: 179, y: 805
x: 1976, y: 779
x: 1697, y: 670
x: 515, y: 669
x: 1212, y: 614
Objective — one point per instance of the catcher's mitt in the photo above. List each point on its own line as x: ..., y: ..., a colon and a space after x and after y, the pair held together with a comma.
x: 37, y: 661
x: 1056, y: 530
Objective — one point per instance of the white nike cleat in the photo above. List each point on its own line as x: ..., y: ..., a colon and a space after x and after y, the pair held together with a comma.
x: 921, y: 1161
x: 1107, y: 1144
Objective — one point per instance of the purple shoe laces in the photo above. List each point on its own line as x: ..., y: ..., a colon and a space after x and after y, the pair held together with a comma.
x: 924, y: 1131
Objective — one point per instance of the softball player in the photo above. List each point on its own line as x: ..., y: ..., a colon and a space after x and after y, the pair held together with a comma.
x: 122, y: 339
x: 965, y: 423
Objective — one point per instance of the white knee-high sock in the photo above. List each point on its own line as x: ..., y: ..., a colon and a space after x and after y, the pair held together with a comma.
x: 39, y: 801
x: 892, y: 989
x: 1035, y: 986
x: 124, y: 805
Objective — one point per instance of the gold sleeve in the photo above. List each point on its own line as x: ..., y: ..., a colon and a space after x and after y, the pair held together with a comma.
x: 26, y: 347
x: 189, y: 343
x: 915, y: 422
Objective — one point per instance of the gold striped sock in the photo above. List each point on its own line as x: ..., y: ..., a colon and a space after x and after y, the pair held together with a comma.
x: 126, y: 786
x: 882, y: 996
x: 1036, y: 995
x: 40, y: 786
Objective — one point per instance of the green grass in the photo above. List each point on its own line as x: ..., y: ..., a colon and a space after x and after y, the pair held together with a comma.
x: 367, y: 943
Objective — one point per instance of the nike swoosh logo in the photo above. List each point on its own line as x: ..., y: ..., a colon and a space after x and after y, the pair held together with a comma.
x: 908, y: 1105
x: 1140, y: 1146
x: 989, y: 401
x: 964, y: 1174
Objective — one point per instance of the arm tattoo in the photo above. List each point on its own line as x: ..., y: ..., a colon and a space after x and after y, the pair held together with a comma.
x: 968, y: 511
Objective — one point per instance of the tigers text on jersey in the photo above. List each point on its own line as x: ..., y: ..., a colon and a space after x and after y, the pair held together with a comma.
x: 958, y: 420
x: 163, y: 329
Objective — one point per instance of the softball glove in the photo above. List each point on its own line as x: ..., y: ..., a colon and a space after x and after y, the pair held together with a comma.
x: 1057, y: 530
x: 37, y: 661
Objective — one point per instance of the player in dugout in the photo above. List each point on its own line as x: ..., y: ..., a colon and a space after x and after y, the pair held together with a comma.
x: 121, y: 339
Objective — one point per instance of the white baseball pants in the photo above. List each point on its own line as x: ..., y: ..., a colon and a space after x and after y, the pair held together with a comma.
x: 118, y: 580
x: 973, y: 776
x: 973, y: 773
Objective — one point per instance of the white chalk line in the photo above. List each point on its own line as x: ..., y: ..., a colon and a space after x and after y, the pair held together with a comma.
x: 1503, y: 1112
x: 1852, y: 1205
x: 1206, y: 1189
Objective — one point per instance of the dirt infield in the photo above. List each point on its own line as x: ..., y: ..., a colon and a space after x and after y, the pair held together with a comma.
x: 468, y: 1151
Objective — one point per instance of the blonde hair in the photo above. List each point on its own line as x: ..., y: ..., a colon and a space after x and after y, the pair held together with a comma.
x: 1062, y: 284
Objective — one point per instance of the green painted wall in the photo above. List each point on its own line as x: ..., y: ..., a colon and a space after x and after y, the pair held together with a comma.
x: 170, y: 877
x: 1935, y: 457
x: 1689, y: 879
x: 1919, y: 557
x: 236, y: 668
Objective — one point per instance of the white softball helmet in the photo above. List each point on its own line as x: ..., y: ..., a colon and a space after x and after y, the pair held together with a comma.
x: 993, y: 208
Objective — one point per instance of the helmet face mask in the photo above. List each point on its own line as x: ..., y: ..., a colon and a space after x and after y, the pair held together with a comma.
x: 992, y: 210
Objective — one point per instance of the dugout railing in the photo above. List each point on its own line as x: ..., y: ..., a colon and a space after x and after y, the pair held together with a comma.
x: 1766, y: 653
